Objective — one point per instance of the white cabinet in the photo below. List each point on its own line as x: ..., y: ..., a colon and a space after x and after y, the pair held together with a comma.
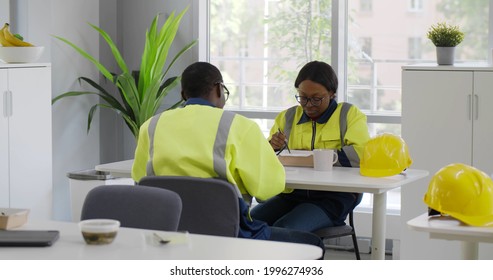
x: 26, y: 138
x: 446, y: 118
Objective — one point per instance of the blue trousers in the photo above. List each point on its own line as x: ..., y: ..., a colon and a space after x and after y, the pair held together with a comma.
x: 279, y: 212
x: 296, y: 236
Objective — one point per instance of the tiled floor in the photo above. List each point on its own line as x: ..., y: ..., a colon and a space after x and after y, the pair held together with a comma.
x: 331, y: 254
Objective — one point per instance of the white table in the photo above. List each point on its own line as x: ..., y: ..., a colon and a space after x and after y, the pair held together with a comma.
x: 139, y: 244
x: 340, y: 179
x: 448, y: 228
x: 343, y: 179
x: 121, y: 169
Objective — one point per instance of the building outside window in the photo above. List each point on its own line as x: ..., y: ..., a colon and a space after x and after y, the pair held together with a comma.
x: 259, y: 45
x: 365, y: 44
x: 415, y: 47
x: 415, y: 5
x: 365, y: 5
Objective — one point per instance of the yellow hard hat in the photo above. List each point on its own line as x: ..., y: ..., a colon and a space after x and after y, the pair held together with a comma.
x: 385, y: 155
x: 463, y: 192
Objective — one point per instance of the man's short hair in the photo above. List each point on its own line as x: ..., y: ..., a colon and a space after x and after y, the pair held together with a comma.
x: 199, y: 78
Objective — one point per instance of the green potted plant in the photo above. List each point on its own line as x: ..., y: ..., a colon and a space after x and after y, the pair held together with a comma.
x: 141, y: 92
x: 445, y: 37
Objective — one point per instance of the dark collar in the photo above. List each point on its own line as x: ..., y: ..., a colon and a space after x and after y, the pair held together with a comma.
x: 198, y: 101
x: 324, y: 117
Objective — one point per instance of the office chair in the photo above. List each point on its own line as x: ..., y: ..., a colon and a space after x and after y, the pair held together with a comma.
x: 210, y: 206
x: 134, y: 206
x: 345, y: 230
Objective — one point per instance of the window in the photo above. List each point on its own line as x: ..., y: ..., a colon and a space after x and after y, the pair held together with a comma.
x: 414, y: 47
x: 415, y: 5
x: 259, y: 45
x: 365, y: 43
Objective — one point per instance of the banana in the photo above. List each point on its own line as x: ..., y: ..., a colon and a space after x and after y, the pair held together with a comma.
x: 4, y: 41
x: 12, y: 39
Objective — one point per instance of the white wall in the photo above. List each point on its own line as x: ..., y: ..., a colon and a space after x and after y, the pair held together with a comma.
x: 4, y: 12
x: 73, y: 148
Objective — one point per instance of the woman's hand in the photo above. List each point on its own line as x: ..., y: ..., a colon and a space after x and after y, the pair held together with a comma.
x: 278, y: 141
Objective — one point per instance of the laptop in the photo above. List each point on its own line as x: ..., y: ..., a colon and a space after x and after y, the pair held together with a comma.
x: 28, y: 238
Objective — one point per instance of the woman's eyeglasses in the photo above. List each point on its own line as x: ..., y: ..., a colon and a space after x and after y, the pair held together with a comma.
x: 316, y: 101
x: 226, y: 91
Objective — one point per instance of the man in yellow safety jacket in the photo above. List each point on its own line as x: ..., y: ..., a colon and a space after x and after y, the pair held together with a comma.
x: 202, y: 140
x: 318, y: 123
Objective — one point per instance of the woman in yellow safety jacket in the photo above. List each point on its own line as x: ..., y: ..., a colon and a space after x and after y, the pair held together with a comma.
x: 319, y: 123
x: 202, y: 140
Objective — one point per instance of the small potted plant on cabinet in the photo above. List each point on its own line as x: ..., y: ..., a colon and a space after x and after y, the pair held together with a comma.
x: 445, y: 37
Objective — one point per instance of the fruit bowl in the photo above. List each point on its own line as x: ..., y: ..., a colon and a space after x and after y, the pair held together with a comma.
x: 20, y: 54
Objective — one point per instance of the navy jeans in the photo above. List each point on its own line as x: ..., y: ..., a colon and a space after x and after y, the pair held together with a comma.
x: 279, y: 212
x: 296, y: 236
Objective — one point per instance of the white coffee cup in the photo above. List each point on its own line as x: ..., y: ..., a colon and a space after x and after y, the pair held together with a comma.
x: 324, y: 159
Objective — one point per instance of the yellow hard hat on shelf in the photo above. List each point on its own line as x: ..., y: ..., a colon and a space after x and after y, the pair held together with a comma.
x: 463, y: 192
x: 385, y: 155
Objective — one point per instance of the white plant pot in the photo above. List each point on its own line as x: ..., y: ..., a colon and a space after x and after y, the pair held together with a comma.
x: 445, y: 55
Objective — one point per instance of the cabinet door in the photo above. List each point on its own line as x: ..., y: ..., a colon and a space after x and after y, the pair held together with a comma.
x: 482, y: 124
x: 30, y: 140
x: 436, y: 126
x: 4, y: 148
x: 436, y: 117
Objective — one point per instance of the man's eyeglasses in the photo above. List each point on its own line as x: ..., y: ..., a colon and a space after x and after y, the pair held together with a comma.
x: 226, y: 91
x: 316, y: 101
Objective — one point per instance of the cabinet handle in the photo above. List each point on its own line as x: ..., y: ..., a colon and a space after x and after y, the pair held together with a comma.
x: 469, y: 106
x: 476, y: 107
x: 4, y: 104
x: 7, y: 104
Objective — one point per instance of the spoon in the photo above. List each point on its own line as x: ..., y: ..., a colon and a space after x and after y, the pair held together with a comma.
x: 161, y: 240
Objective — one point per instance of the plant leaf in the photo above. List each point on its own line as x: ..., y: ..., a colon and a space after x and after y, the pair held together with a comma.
x: 179, y: 54
x: 89, y: 57
x: 130, y: 93
x: 116, y: 53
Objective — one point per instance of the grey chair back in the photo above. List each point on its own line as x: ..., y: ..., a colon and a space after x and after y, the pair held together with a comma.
x: 210, y: 206
x: 134, y: 206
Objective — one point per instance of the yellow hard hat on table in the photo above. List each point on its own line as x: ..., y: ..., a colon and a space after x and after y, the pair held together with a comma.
x: 385, y: 155
x: 463, y: 192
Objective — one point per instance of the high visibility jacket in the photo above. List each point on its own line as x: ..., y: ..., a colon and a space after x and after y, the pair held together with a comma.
x: 342, y: 127
x: 326, y: 132
x: 200, y: 140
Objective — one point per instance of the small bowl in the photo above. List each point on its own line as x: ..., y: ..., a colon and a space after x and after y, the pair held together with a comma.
x: 20, y: 54
x: 99, y: 231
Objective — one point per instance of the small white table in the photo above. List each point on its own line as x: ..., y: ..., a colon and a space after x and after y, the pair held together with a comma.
x: 138, y: 244
x: 448, y: 228
x: 340, y: 179
x: 121, y: 169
